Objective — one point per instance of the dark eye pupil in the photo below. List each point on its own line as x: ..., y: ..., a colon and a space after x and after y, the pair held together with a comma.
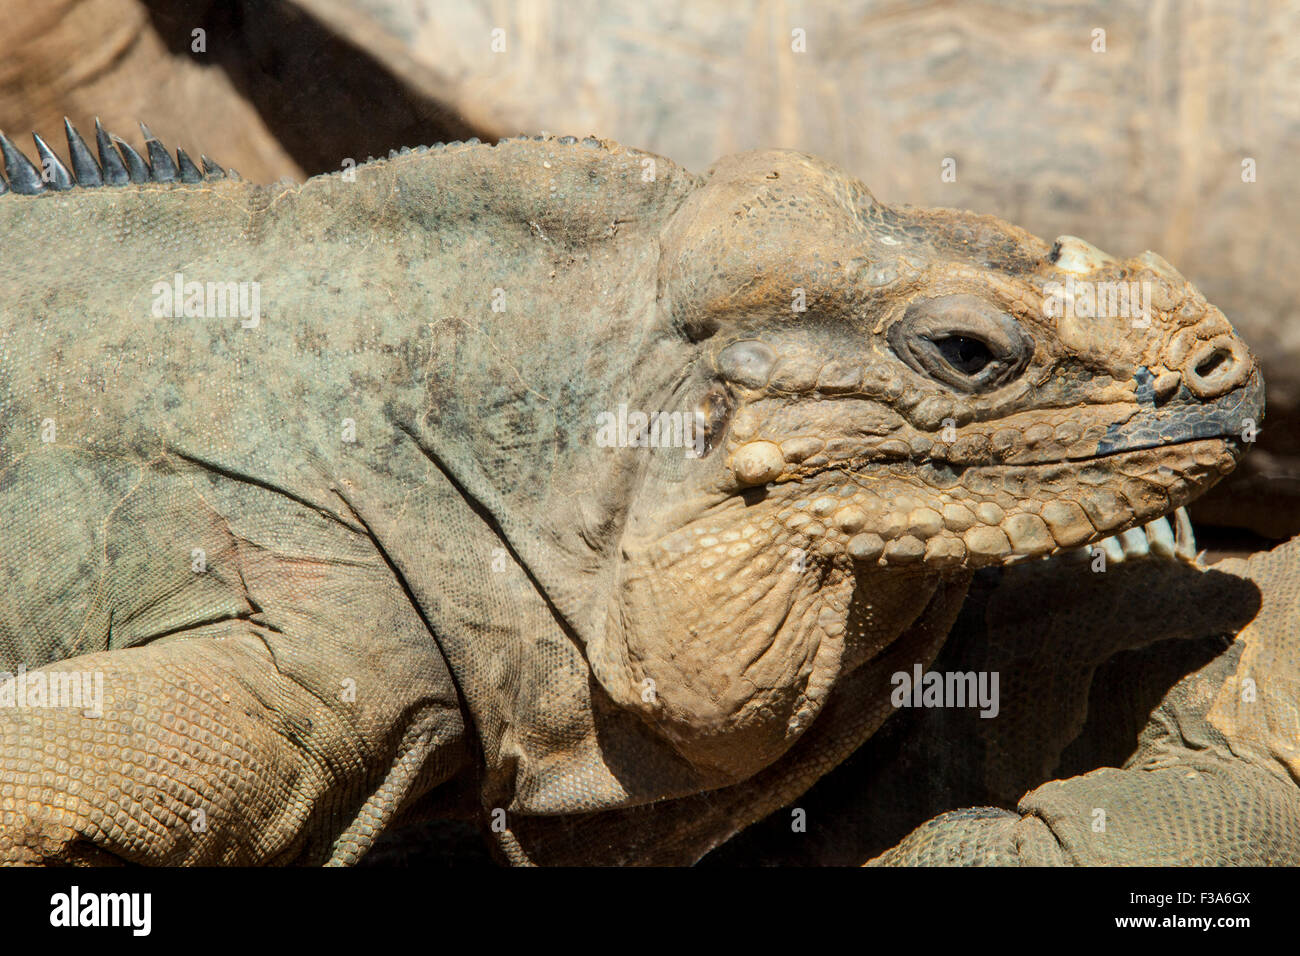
x: 964, y: 354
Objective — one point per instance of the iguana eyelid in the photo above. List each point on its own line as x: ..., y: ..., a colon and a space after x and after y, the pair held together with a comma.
x: 938, y: 366
x: 928, y: 321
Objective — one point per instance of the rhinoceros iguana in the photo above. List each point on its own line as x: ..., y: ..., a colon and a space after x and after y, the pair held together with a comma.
x: 545, y: 481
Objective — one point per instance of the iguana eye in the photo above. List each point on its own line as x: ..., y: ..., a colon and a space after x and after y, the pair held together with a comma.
x: 963, y: 341
x: 966, y: 355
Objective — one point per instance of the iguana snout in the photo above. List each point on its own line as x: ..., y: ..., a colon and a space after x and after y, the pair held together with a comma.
x: 908, y: 394
x: 970, y: 383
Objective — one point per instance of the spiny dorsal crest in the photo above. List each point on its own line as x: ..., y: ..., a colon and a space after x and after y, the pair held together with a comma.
x: 118, y: 165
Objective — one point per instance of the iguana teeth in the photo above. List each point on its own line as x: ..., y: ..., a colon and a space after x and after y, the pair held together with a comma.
x: 1160, y: 538
x: 110, y: 162
x: 84, y: 166
x: 24, y: 178
x: 60, y: 178
x: 1156, y: 538
x: 162, y: 167
x: 210, y: 169
x: 757, y: 463
x: 1184, y: 538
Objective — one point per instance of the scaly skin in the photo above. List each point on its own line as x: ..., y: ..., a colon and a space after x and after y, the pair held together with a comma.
x: 1196, y: 738
x: 395, y: 481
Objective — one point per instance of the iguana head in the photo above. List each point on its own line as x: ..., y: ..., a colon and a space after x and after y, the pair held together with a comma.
x: 890, y: 395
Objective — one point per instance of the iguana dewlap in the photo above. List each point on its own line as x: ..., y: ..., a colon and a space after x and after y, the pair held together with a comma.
x: 320, y: 480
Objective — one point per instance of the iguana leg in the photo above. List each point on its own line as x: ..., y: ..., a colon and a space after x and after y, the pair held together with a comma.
x: 207, y: 752
x: 1213, y: 781
x: 281, y: 706
x: 1202, y: 812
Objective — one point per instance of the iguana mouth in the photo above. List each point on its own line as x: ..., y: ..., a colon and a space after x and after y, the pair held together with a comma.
x: 1087, y: 435
x: 941, y: 473
x: 928, y: 513
x: 862, y: 465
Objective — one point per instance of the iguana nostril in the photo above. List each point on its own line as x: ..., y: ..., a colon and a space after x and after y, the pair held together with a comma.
x: 1216, y: 366
x: 1211, y: 362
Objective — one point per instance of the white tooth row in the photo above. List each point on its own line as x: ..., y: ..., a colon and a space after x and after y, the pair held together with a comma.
x: 1167, y: 537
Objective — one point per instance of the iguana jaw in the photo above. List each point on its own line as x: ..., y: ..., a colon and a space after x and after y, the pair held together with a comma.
x: 739, y: 597
x: 729, y: 631
x: 960, y: 503
x: 895, y: 516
